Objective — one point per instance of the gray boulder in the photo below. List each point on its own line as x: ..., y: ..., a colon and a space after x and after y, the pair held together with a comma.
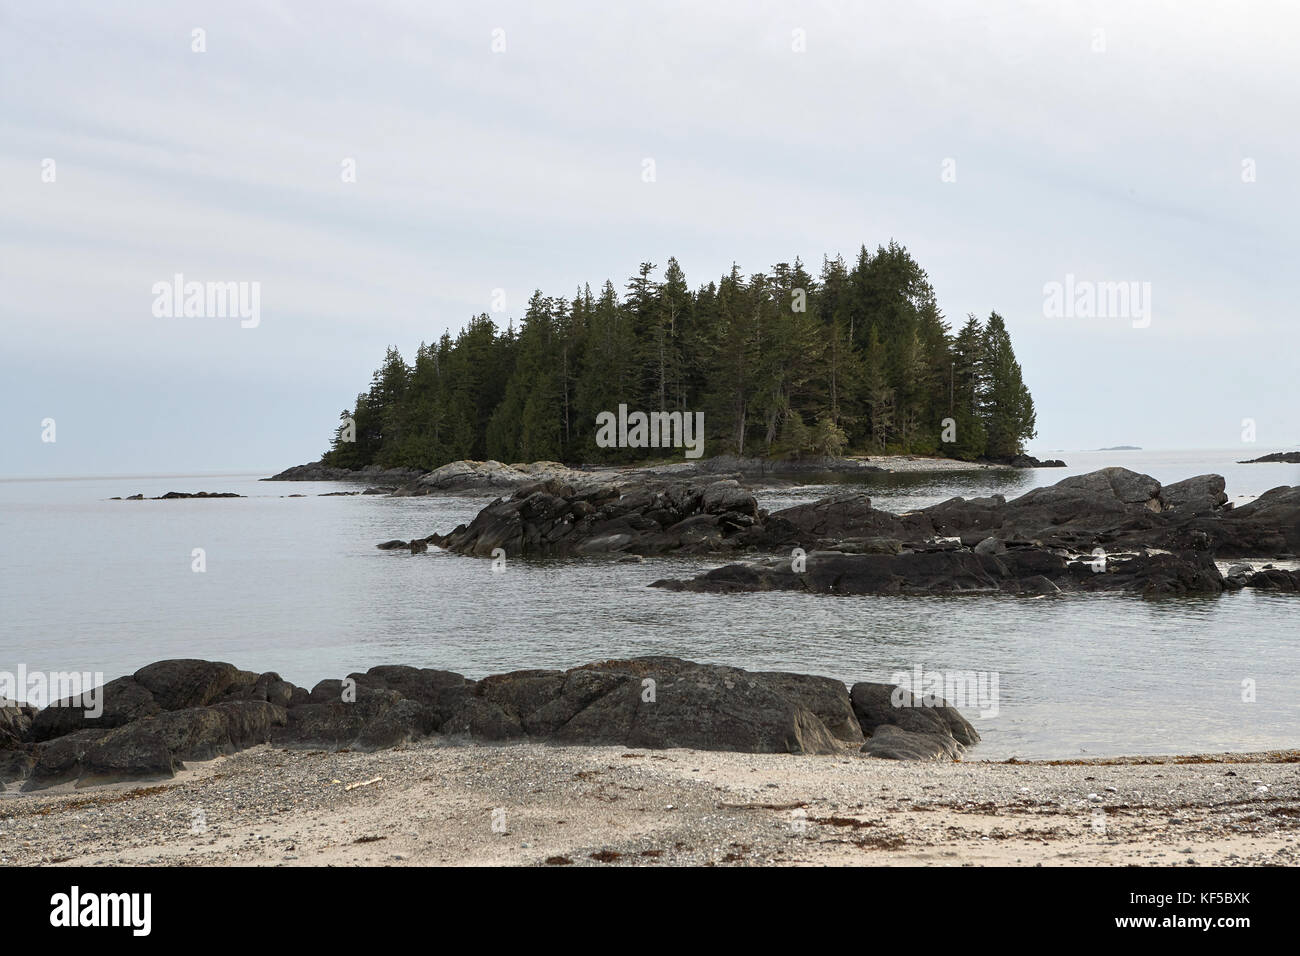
x: 122, y: 700
x: 890, y: 742
x: 182, y: 683
x: 1200, y: 495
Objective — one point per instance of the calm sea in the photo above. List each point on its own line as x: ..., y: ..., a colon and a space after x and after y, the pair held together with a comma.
x: 296, y: 585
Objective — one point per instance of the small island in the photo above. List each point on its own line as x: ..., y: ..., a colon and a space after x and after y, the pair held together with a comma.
x: 1283, y: 457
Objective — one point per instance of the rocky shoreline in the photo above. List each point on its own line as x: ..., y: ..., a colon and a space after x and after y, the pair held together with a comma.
x: 1284, y: 457
x: 474, y: 477
x: 148, y: 724
x: 1109, y: 530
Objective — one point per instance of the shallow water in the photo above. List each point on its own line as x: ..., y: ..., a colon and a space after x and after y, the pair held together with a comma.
x: 296, y: 585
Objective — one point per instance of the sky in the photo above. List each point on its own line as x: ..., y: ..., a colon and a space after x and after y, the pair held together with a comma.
x: 504, y: 146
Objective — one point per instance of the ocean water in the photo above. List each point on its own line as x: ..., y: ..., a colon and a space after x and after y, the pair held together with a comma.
x: 296, y: 585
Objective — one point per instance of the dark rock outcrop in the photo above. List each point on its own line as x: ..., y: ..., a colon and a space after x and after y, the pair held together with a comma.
x: 1023, y: 461
x: 1113, y: 508
x: 315, y: 471
x: 1023, y: 545
x: 904, y: 726
x: 1026, y: 571
x: 173, y: 495
x: 183, y: 710
x: 551, y: 519
x: 1286, y: 457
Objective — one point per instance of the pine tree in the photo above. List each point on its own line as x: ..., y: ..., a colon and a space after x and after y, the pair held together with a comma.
x: 1006, y: 409
x: 781, y: 365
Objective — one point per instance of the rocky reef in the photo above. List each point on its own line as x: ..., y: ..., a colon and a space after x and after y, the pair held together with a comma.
x: 1112, y: 529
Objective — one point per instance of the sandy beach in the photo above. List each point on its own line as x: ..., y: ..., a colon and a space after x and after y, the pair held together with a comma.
x: 534, y: 804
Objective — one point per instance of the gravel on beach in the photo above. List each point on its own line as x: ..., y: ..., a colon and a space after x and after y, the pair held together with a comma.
x: 536, y: 804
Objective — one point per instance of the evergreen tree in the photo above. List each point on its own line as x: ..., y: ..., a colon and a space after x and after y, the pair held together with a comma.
x: 1006, y: 409
x: 781, y: 364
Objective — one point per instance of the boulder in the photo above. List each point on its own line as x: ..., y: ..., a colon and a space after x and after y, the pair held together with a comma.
x: 1275, y: 579
x: 877, y: 704
x: 60, y: 760
x: 123, y: 700
x: 895, y: 743
x: 1200, y: 495
x: 131, y: 752
x: 182, y: 683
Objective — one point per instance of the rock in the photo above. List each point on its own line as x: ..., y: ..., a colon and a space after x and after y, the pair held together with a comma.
x: 1275, y: 579
x: 16, y: 765
x: 1200, y: 495
x: 123, y: 700
x: 840, y: 516
x: 406, y: 720
x: 827, y: 699
x: 197, y: 494
x: 197, y: 733
x: 706, y: 707
x: 1114, y: 508
x: 315, y: 471
x: 864, y: 545
x: 1022, y: 461
x: 483, y: 720
x: 60, y: 760
x: 248, y: 723
x: 460, y: 476
x: 131, y: 752
x: 877, y: 704
x: 1288, y: 457
x: 178, y: 684
x: 832, y: 572
x: 895, y: 743
x: 419, y: 547
x: 395, y: 545
x: 652, y: 702
x: 1038, y: 584
x: 15, y: 723
x: 333, y: 725
x: 441, y: 691
x: 550, y: 519
x: 1269, y: 526
x: 727, y: 496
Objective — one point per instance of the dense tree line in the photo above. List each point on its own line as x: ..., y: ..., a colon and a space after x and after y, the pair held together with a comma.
x: 783, y: 364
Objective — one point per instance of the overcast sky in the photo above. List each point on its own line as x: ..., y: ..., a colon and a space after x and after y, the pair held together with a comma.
x: 1115, y: 142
